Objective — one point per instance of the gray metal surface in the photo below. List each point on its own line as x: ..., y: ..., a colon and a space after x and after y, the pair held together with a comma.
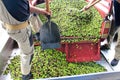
x: 93, y: 76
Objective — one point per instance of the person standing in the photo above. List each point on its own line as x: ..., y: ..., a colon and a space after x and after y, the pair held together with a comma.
x: 116, y: 59
x: 15, y: 20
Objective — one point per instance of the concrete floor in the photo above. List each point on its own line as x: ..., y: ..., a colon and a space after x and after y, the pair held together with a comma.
x: 109, y: 55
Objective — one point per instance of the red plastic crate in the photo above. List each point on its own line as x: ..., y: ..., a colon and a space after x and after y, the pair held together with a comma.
x: 83, y: 51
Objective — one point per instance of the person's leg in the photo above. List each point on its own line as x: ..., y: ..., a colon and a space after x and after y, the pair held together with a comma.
x: 116, y: 59
x: 109, y: 38
x: 25, y: 42
x: 112, y: 36
x: 23, y: 38
x: 36, y: 23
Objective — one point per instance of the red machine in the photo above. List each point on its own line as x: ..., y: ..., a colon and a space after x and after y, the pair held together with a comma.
x: 104, y: 8
x: 86, y: 51
x: 80, y: 54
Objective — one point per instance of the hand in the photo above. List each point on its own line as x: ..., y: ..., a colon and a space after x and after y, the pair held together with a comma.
x: 118, y: 1
x: 36, y: 2
x: 84, y: 8
x: 44, y: 12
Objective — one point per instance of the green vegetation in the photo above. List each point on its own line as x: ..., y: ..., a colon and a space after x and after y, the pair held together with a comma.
x: 66, y: 14
x: 52, y: 63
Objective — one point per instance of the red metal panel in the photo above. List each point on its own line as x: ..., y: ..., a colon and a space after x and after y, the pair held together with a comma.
x: 103, y: 7
x: 83, y: 51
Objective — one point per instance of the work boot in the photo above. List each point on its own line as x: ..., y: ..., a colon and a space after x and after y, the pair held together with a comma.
x: 104, y: 47
x: 37, y: 36
x: 114, y: 62
x: 27, y: 77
